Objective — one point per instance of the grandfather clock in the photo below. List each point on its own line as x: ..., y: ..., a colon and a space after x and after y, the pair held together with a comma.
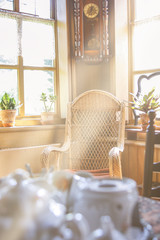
x: 91, y: 30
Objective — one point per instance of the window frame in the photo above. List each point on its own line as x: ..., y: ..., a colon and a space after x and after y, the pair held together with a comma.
x: 132, y: 72
x: 21, y: 68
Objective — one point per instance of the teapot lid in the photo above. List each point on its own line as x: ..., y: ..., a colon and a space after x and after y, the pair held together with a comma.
x: 111, y: 185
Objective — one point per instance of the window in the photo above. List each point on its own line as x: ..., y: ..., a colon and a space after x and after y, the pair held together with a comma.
x: 145, y: 39
x: 27, y: 52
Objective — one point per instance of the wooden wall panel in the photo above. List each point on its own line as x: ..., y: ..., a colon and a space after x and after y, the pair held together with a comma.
x: 125, y: 166
x: 133, y: 166
x: 133, y: 160
x: 158, y: 159
x: 140, y: 164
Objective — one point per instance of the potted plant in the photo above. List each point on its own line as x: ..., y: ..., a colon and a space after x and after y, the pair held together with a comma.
x: 144, y: 103
x: 8, y: 111
x: 47, y: 117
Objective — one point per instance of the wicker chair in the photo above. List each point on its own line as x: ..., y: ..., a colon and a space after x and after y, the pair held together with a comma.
x: 94, y: 135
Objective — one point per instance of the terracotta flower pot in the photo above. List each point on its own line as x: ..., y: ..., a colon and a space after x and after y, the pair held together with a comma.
x: 47, y: 117
x: 144, y: 121
x: 8, y: 117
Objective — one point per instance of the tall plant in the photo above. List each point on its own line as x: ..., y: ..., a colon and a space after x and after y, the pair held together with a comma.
x: 146, y: 102
x: 47, y: 101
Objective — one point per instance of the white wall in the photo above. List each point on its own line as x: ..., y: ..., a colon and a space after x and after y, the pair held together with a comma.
x: 120, y: 58
x: 121, y: 50
x: 13, y: 158
x: 21, y: 145
x: 62, y: 55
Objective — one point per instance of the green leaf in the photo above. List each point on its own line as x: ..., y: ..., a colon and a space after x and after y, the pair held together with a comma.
x: 47, y: 101
x: 8, y: 102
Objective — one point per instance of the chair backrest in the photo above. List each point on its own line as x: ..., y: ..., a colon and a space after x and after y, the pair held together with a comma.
x: 151, y: 81
x: 95, y: 124
x: 151, y: 189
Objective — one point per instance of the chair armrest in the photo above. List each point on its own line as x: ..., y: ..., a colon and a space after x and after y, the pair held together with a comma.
x: 115, y: 168
x: 57, y: 152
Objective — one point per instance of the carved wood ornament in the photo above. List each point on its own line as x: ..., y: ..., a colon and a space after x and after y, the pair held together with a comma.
x: 91, y: 30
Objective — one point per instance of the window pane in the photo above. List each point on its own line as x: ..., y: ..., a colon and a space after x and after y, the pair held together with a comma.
x: 8, y: 41
x: 146, y: 50
x: 43, y: 8
x: 28, y: 6
x: 147, y: 85
x: 38, y: 47
x: 6, y: 4
x: 146, y: 9
x: 36, y: 7
x: 8, y: 82
x: 36, y: 82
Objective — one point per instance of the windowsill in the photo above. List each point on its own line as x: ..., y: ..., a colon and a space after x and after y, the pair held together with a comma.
x: 132, y: 126
x: 31, y: 124
x: 30, y: 128
x: 134, y: 132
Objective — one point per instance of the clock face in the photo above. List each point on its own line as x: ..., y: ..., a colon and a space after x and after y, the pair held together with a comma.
x: 91, y: 10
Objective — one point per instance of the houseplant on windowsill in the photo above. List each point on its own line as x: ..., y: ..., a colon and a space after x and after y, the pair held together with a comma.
x: 144, y: 103
x: 8, y: 111
x: 47, y: 117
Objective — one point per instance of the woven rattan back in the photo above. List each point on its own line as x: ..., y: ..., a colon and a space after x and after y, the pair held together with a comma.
x: 94, y: 127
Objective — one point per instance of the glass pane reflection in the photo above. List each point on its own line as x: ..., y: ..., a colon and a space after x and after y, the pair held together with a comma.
x: 8, y: 82
x: 146, y: 49
x: 38, y: 47
x: 146, y: 9
x: 8, y: 41
x: 6, y: 4
x: 147, y: 85
x: 40, y: 8
x: 36, y: 82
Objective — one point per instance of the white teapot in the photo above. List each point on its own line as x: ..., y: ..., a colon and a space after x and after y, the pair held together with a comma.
x: 106, y: 231
x: 75, y: 227
x: 19, y: 204
x: 113, y: 197
x: 79, y: 181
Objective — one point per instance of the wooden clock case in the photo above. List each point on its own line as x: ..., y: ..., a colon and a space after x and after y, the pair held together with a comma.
x: 91, y: 38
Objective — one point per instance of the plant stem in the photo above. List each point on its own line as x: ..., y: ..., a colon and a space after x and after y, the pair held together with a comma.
x: 45, y: 107
x: 50, y: 107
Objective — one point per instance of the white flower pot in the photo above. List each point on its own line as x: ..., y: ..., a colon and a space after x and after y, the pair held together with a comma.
x: 47, y: 118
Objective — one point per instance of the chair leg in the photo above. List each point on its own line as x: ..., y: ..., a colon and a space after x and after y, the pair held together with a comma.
x: 57, y: 158
x: 44, y: 160
x: 115, y: 168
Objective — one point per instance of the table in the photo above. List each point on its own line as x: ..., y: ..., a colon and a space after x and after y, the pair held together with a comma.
x: 149, y: 211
